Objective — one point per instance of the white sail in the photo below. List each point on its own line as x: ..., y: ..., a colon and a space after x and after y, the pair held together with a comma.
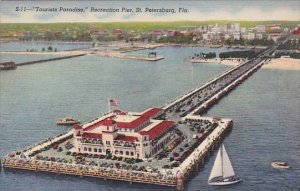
x: 217, y: 168
x: 227, y: 167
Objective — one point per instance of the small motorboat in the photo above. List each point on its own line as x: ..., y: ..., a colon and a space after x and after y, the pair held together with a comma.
x: 67, y: 121
x: 280, y: 165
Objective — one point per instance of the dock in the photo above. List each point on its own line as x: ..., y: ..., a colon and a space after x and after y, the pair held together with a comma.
x: 143, y: 58
x: 184, y: 109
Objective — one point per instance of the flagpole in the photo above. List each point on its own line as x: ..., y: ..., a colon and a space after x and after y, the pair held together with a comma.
x: 108, y: 105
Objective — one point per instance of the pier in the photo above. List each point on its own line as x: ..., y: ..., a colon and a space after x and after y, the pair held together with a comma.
x: 201, y: 98
x: 184, y: 110
x: 49, y: 59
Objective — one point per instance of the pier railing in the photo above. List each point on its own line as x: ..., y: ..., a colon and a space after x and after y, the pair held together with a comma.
x: 90, y: 171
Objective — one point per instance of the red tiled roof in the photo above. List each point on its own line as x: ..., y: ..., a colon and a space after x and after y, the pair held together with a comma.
x: 77, y: 126
x: 126, y: 138
x: 119, y: 112
x: 145, y: 116
x: 152, y: 112
x: 158, y: 129
x: 133, y: 124
x: 108, y: 122
x: 92, y: 135
x: 93, y: 126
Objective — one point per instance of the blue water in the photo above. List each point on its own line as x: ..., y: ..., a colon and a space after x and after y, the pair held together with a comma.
x: 265, y: 110
x: 39, y: 45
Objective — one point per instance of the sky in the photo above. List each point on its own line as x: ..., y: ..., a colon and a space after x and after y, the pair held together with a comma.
x: 197, y: 11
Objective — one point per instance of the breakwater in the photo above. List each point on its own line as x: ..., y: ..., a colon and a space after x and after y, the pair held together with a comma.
x: 48, y: 60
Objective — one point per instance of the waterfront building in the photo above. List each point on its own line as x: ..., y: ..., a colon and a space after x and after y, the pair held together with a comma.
x: 206, y: 36
x: 227, y: 36
x: 251, y: 36
x: 243, y: 30
x: 236, y: 27
x: 236, y: 36
x: 130, y: 135
x: 274, y: 27
x: 244, y: 35
x: 209, y: 27
x: 274, y: 36
x: 157, y: 34
x: 259, y: 36
x: 260, y: 28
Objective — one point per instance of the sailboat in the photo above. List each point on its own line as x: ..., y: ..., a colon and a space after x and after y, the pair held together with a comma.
x: 222, y: 172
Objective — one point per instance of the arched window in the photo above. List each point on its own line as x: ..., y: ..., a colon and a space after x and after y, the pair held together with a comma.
x: 131, y: 153
x: 85, y: 149
x: 116, y: 152
x: 121, y: 152
x: 100, y: 150
x: 95, y: 150
x: 90, y: 149
x: 127, y: 152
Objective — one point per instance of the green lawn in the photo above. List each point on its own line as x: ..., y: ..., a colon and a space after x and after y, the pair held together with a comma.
x: 127, y: 26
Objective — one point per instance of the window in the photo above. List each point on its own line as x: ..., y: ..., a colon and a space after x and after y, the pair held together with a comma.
x: 121, y: 152
x: 131, y: 153
x: 116, y: 152
x: 127, y: 152
x: 100, y: 150
x: 107, y: 128
x: 90, y: 149
x: 95, y: 150
x: 85, y: 149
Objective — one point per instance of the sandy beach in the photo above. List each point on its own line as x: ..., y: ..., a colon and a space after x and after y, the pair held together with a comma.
x: 276, y: 63
x: 283, y: 64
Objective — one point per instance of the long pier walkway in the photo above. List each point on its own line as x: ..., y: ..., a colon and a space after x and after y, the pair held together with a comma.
x: 201, y: 98
x: 49, y: 59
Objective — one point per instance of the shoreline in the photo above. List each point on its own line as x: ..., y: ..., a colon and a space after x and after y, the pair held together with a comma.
x: 274, y: 63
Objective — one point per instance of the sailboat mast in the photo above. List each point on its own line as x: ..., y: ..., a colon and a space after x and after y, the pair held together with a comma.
x: 222, y: 160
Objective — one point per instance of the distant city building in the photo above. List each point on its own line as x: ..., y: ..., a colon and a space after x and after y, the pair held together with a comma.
x: 296, y: 31
x: 251, y: 36
x: 244, y: 36
x: 206, y: 36
x: 243, y: 30
x: 216, y: 29
x: 260, y: 28
x: 274, y: 27
x: 236, y: 27
x: 259, y: 36
x: 227, y: 36
x: 274, y: 36
x: 237, y: 36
